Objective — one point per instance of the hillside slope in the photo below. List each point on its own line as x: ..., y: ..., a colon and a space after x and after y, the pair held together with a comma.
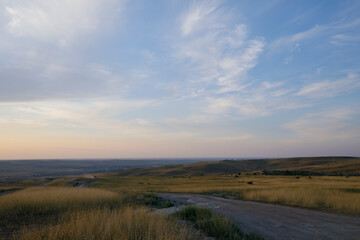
x: 314, y: 165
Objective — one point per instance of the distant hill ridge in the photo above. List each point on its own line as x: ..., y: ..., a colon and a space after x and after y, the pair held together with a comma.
x: 278, y: 166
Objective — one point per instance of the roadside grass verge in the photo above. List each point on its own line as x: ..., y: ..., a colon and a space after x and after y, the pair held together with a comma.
x: 214, y: 225
x: 331, y: 200
x: 126, y: 223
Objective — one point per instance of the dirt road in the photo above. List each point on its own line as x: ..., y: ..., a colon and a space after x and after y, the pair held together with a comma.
x: 39, y: 185
x: 45, y: 183
x: 82, y: 184
x: 7, y: 192
x: 277, y: 222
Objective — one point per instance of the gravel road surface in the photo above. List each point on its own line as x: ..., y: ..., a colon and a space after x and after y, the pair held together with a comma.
x: 277, y: 222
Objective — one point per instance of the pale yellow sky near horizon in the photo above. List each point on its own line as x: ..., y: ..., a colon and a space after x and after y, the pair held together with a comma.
x: 48, y: 147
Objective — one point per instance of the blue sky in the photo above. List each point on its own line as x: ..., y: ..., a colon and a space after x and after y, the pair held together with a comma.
x: 90, y: 78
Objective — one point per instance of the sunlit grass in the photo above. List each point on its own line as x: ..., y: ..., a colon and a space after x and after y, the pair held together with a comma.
x: 332, y: 200
x: 37, y: 200
x: 37, y: 206
x: 125, y: 223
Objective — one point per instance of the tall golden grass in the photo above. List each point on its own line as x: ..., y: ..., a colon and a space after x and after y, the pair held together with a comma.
x: 37, y: 206
x: 127, y: 223
x: 332, y: 200
x: 37, y: 201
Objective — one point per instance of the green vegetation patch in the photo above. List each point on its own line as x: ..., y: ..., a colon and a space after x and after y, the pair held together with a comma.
x: 147, y: 199
x: 214, y: 225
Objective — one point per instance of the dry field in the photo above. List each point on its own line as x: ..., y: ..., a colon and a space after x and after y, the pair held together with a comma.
x: 328, y: 193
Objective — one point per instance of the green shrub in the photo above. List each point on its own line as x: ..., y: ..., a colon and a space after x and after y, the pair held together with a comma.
x: 212, y: 224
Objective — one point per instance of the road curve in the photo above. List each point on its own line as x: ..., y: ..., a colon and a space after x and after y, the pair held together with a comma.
x: 15, y: 190
x: 277, y: 222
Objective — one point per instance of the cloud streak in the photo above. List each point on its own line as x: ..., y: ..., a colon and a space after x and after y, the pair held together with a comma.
x: 327, y: 88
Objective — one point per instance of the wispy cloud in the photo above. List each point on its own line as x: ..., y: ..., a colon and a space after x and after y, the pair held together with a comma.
x: 332, y: 31
x: 216, y: 55
x: 305, y: 15
x: 329, y: 88
x: 342, y: 39
x: 286, y: 41
x: 198, y: 14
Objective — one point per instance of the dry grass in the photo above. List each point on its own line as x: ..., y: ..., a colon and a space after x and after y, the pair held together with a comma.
x: 126, y: 223
x: 38, y: 200
x: 331, y: 200
x: 38, y: 206
x: 332, y: 194
x: 81, y: 213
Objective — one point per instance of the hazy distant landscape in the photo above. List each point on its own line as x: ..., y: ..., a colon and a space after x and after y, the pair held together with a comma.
x: 35, y: 169
x: 126, y: 196
x: 306, y: 166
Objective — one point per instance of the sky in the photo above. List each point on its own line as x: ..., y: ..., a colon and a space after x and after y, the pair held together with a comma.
x: 177, y: 78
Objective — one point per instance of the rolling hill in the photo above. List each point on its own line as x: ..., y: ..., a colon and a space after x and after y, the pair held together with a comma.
x: 280, y: 166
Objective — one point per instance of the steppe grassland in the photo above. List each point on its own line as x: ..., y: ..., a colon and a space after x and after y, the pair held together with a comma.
x: 57, y: 213
x: 328, y: 193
